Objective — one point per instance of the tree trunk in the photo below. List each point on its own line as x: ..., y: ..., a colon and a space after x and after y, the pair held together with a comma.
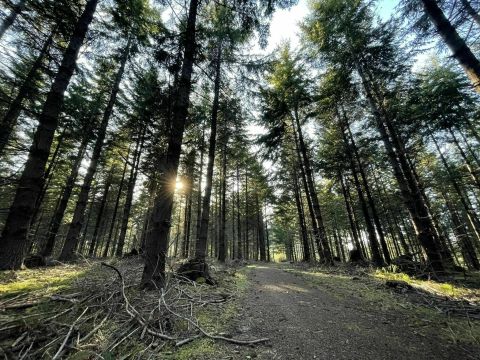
x: 115, y: 207
x: 366, y: 186
x: 223, y: 206
x: 326, y: 253
x: 201, y: 248
x: 71, y: 241
x: 247, y: 240
x: 187, y: 226
x: 411, y: 194
x: 350, y: 213
x: 376, y: 256
x: 199, y: 187
x: 67, y: 192
x: 267, y: 236
x: 461, y: 233
x: 157, y: 239
x: 239, y: 224
x: 14, y: 241
x: 473, y: 173
x: 261, y: 231
x: 301, y: 220
x: 89, y: 216
x: 93, y: 243
x: 27, y: 89
x: 49, y: 172
x: 308, y: 196
x: 10, y: 19
x: 460, y: 50
x: 130, y: 188
x: 471, y: 215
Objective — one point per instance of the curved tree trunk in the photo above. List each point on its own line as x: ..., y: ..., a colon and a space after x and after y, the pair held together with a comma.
x: 13, y: 243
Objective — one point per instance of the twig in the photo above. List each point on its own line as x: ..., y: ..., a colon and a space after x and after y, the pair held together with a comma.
x: 133, y: 312
x: 211, y: 336
x: 58, y: 353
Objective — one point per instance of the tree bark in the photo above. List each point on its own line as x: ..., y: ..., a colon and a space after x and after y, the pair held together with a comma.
x: 94, y: 242
x: 67, y: 192
x: 350, y: 213
x: 201, y: 247
x: 115, y: 207
x: 71, y: 241
x: 301, y: 220
x: 14, y: 241
x: 89, y: 216
x: 157, y: 238
x: 461, y: 233
x: 460, y: 50
x: 222, y: 241
x: 199, y: 187
x: 130, y: 188
x: 247, y: 240
x: 261, y: 231
x: 366, y: 186
x: 308, y: 196
x: 49, y: 172
x: 239, y: 224
x: 471, y: 215
x: 411, y: 194
x: 326, y: 253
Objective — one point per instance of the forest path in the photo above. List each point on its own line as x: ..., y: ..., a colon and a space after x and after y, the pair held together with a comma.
x: 312, y: 320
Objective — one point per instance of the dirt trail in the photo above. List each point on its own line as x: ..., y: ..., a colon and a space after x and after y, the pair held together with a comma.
x: 308, y: 321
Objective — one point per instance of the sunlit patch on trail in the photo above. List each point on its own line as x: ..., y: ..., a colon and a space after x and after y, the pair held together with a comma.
x: 284, y: 288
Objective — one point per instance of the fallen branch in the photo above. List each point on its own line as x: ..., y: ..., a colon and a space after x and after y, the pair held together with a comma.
x: 211, y: 336
x: 133, y: 312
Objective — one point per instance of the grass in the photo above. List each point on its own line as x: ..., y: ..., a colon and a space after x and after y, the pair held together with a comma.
x: 454, y: 289
x: 46, y: 280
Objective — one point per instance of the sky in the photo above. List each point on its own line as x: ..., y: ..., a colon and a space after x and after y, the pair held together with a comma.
x: 284, y: 25
x: 284, y: 28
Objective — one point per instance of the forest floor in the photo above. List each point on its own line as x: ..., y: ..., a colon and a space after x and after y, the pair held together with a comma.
x: 82, y: 311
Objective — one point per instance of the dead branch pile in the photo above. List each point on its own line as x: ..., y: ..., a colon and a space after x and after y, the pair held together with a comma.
x: 106, y: 314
